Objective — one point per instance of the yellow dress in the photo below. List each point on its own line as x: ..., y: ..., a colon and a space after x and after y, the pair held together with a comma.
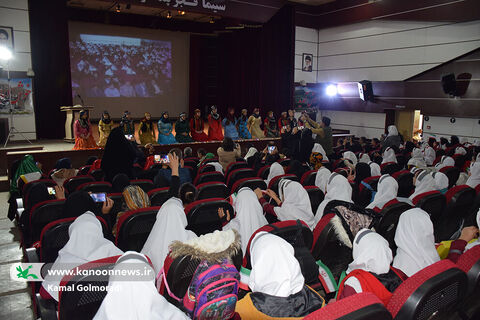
x: 254, y: 125
x: 104, y: 130
x: 147, y: 136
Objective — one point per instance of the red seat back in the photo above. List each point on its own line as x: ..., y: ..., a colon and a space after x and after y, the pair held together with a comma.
x: 158, y: 196
x: 208, y: 176
x: 238, y: 174
x: 202, y: 215
x: 133, y: 228
x: 234, y: 166
x: 432, y: 202
x: 405, y: 183
x: 263, y: 172
x: 308, y: 178
x: 251, y: 183
x: 96, y: 186
x: 469, y: 262
x: 145, y: 184
x: 212, y: 189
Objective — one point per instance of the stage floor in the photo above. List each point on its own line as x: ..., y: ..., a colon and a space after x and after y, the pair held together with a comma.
x: 48, y: 145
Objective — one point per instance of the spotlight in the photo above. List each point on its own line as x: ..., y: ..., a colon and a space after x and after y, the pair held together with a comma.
x: 180, y: 12
x: 331, y: 90
x: 118, y: 8
x: 212, y: 20
x: 169, y: 15
x: 5, y: 53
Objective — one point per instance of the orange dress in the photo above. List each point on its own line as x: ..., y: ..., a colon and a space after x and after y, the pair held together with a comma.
x: 82, y: 143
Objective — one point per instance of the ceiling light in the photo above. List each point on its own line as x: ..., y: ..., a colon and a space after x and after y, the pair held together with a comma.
x: 5, y: 53
x: 331, y: 90
x: 169, y: 15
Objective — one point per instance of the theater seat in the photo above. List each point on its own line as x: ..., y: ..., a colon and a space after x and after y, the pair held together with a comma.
x: 96, y: 186
x: 469, y: 262
x: 366, y: 191
x: 263, y: 172
x: 402, y: 160
x: 459, y: 201
x: 361, y: 306
x: 432, y: 202
x: 433, y: 290
x: 212, y: 189
x: 238, y: 174
x: 97, y: 174
x: 73, y: 183
x: 389, y: 168
x: 273, y: 184
x: 133, y: 228
x: 145, y: 184
x: 234, y: 166
x: 206, y: 168
x: 42, y: 214
x: 308, y: 178
x: 202, y: 215
x: 207, y: 177
x: 251, y: 183
x: 405, y: 183
x: 316, y: 197
x: 83, y: 171
x: 26, y: 188
x: 284, y: 162
x: 387, y: 226
x: 452, y: 174
x: 158, y: 196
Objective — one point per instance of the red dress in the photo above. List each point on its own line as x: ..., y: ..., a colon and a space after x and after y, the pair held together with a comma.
x: 83, y: 137
x: 215, y: 132
x: 196, y: 129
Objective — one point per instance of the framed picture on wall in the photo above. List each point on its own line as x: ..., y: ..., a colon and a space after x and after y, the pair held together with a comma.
x: 6, y: 37
x: 307, y: 62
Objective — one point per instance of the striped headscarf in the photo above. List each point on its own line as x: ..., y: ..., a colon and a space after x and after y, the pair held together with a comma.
x: 135, y: 198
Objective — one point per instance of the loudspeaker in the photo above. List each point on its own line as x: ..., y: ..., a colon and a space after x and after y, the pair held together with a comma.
x: 365, y: 90
x: 449, y: 84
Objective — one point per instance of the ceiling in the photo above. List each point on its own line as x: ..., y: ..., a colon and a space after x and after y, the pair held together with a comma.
x: 312, y: 2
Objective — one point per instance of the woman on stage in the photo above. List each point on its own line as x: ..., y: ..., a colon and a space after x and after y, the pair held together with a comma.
x: 197, y: 126
x: 105, y: 126
x: 165, y: 127
x: 126, y: 124
x: 270, y: 125
x: 291, y: 117
x: 229, y: 124
x: 146, y: 131
x: 254, y: 123
x: 242, y: 125
x: 283, y: 121
x: 182, y: 129
x: 214, y: 125
x: 83, y: 133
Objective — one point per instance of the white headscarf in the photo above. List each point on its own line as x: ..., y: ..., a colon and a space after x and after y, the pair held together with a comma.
x: 169, y: 226
x: 389, y: 156
x: 275, y: 270
x: 460, y: 150
x: 86, y: 243
x: 338, y: 188
x: 295, y: 203
x: 446, y: 161
x: 375, y: 169
x: 474, y: 178
x: 350, y: 156
x: 392, y: 131
x: 417, y: 159
x: 429, y: 155
x: 415, y: 241
x: 276, y: 169
x: 250, y: 152
x: 321, y: 178
x: 249, y: 216
x: 371, y: 253
x: 218, y: 167
x: 365, y: 158
x: 387, y: 190
x: 317, y: 147
x: 476, y: 243
x: 423, y: 183
x: 441, y: 181
x: 135, y: 299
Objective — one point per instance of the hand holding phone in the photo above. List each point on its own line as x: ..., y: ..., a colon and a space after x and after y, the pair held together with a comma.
x: 51, y: 191
x: 157, y: 158
x: 271, y: 149
x: 98, y: 197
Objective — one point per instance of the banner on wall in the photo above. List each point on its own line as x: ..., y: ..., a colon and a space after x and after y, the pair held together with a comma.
x: 305, y: 98
x: 21, y: 99
x: 214, y: 5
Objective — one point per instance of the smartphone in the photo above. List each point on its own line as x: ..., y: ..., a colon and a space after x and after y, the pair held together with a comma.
x: 300, y: 127
x: 165, y: 159
x: 51, y: 191
x: 270, y: 149
x: 158, y: 158
x: 129, y: 136
x: 98, y: 197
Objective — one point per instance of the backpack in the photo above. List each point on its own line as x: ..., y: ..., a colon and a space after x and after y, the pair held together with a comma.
x: 212, y: 293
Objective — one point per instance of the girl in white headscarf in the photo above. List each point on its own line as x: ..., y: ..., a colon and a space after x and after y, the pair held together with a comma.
x: 375, y: 169
x: 338, y: 188
x: 249, y: 216
x: 389, y: 156
x: 276, y: 169
x: 317, y: 147
x: 169, y: 226
x: 321, y: 179
x: 445, y: 161
x: 293, y: 202
x: 460, y: 150
x: 474, y: 175
x: 387, y: 190
x: 423, y: 182
x: 277, y: 284
x: 365, y: 158
x: 415, y: 242
x: 417, y: 159
x: 86, y: 243
x: 429, y: 155
x: 392, y: 139
x: 441, y: 181
x: 370, y: 269
x: 250, y: 153
x: 135, y: 299
x: 349, y: 155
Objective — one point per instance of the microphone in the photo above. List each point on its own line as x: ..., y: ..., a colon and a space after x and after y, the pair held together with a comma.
x: 80, y: 97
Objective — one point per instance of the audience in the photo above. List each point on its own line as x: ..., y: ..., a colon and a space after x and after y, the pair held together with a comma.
x: 387, y: 190
x: 118, y: 156
x: 338, y: 188
x: 393, y: 138
x: 321, y: 179
x: 276, y: 170
x: 423, y: 182
x: 134, y: 198
x: 474, y: 175
x: 163, y: 177
x: 441, y: 181
x: 228, y: 152
x: 389, y: 155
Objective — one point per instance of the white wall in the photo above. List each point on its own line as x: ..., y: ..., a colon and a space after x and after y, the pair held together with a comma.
x: 306, y: 41
x: 361, y: 124
x: 442, y: 127
x: 14, y: 13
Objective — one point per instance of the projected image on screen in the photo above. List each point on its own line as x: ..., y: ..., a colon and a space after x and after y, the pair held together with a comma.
x: 114, y: 67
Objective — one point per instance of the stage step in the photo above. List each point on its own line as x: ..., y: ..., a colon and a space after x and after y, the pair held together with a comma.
x: 3, y: 155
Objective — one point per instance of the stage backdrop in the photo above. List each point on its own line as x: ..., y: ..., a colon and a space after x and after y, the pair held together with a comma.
x: 117, y: 68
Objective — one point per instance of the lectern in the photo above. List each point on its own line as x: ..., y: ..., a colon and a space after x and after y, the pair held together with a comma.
x: 72, y: 115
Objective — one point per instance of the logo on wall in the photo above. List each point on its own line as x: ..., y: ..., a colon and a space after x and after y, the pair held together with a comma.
x: 214, y: 5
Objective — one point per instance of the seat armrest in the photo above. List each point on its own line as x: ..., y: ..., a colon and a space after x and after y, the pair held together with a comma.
x: 46, y: 308
x: 32, y: 255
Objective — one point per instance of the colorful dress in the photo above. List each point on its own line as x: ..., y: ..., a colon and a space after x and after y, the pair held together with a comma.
x: 83, y: 136
x: 180, y: 128
x: 254, y: 124
x: 197, y: 129
x: 165, y: 135
x: 146, y: 132
x: 230, y: 128
x: 104, y: 130
x: 243, y: 129
x: 215, y: 129
x: 127, y: 126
